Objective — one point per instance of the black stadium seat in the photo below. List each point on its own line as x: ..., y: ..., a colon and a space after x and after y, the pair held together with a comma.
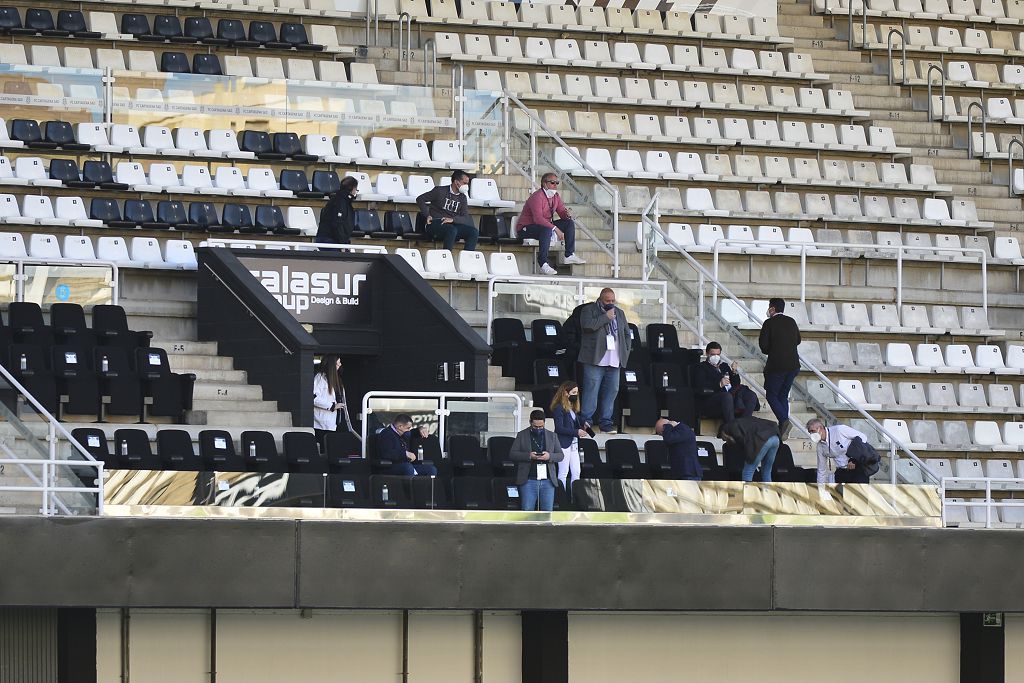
x: 168, y: 27
x: 326, y: 182
x: 170, y: 392
x: 100, y: 173
x: 107, y: 210
x: 77, y: 384
x: 505, y: 494
x: 591, y: 465
x: 271, y: 219
x: 73, y: 21
x: 62, y: 134
x: 110, y: 325
x: 174, y: 63
x: 172, y: 213
x: 25, y: 320
x: 217, y: 451
x: 10, y: 22
x: 296, y: 182
x: 390, y: 491
x: 41, y: 21
x: 200, y: 29
x: 471, y: 493
x: 263, y: 33
x: 656, y: 459
x: 95, y: 442
x: 624, y: 459
x: 206, y: 65
x: 260, y: 452
x: 67, y: 322
x: 237, y: 217
x: 511, y: 350
x: 119, y: 384
x: 289, y: 145
x: 66, y: 171
x: 496, y: 230
x: 302, y: 453
x: 232, y: 31
x: 259, y: 143
x: 133, y: 450
x: 28, y: 364
x: 546, y: 335
x: 138, y: 25
x: 467, y: 457
x: 27, y: 131
x: 294, y: 35
x: 348, y: 491
x: 344, y: 453
x: 498, y: 448
x: 635, y: 394
x: 175, y: 451
x: 203, y: 215
x: 139, y: 213
x: 429, y: 493
x: 368, y: 223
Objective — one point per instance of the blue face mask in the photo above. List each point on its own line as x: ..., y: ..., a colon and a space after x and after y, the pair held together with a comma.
x: 608, y: 307
x: 539, y: 431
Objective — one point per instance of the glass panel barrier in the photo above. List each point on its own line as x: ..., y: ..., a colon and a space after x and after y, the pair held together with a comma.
x: 8, y: 285
x: 51, y: 93
x: 85, y: 285
x: 484, y: 130
x: 486, y: 417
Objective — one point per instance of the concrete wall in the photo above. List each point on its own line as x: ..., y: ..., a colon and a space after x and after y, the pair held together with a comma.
x: 739, y: 648
x: 1013, y: 634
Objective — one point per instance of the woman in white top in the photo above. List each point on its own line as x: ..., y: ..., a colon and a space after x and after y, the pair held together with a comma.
x: 833, y: 443
x: 329, y: 398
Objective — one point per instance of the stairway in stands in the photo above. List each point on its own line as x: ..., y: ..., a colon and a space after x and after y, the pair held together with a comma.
x: 929, y: 141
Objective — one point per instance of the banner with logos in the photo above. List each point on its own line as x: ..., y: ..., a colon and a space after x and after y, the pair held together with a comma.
x: 317, y: 291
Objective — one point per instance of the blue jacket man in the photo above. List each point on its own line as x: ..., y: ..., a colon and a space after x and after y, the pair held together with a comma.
x: 681, y: 444
x: 392, y: 446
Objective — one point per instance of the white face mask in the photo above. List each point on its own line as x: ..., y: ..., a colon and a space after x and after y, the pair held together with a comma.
x: 815, y: 437
x: 714, y: 360
x: 549, y: 193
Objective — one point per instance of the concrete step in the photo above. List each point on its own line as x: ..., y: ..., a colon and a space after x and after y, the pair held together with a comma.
x: 225, y: 417
x: 186, y: 348
x: 197, y: 364
x: 832, y: 66
x: 242, y: 406
x: 221, y: 391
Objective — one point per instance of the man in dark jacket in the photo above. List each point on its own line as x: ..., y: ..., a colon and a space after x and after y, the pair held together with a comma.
x: 392, y: 445
x: 446, y: 213
x: 759, y: 440
x: 338, y: 218
x: 719, y: 389
x: 536, y: 450
x: 604, y: 349
x: 681, y: 444
x: 779, y: 340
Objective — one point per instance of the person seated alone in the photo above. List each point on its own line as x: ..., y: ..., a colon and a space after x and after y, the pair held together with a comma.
x: 681, y: 444
x: 719, y: 388
x: 445, y: 211
x: 392, y: 445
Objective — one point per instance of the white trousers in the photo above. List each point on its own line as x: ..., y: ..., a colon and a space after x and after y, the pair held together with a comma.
x: 570, y: 463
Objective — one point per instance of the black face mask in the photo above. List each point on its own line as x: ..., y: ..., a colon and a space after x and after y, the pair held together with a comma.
x: 538, y: 431
x: 573, y: 398
x: 607, y: 307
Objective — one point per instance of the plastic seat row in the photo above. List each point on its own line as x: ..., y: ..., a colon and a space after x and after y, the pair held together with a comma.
x: 746, y: 168
x: 791, y: 206
x: 779, y: 241
x: 917, y: 397
x: 974, y: 11
x: 538, y: 51
x: 874, y: 318
x: 842, y: 356
x: 956, y: 435
x: 1000, y: 110
x: 961, y: 73
x: 661, y: 92
x: 944, y: 39
x: 440, y: 264
x: 40, y: 22
x: 136, y: 252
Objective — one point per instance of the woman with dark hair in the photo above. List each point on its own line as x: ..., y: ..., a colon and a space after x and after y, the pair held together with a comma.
x: 569, y: 429
x: 329, y: 398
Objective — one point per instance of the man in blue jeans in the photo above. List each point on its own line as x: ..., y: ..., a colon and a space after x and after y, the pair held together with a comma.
x: 759, y: 440
x: 604, y: 348
x: 779, y: 340
x: 536, y: 450
x: 393, y: 446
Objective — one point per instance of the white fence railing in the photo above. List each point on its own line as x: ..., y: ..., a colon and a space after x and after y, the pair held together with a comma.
x: 990, y: 505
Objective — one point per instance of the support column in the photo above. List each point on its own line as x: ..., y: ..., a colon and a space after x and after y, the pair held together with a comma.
x: 545, y: 646
x: 981, y: 650
x: 76, y: 645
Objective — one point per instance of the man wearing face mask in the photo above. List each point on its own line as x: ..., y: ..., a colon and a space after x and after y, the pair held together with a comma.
x: 447, y: 214
x: 338, y: 218
x: 779, y: 340
x: 604, y: 348
x: 681, y: 444
x: 833, y: 444
x: 536, y: 451
x: 719, y: 389
x: 535, y: 223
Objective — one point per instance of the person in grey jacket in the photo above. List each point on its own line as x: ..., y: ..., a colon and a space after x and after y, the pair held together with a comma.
x: 446, y: 213
x: 604, y: 348
x: 536, y: 451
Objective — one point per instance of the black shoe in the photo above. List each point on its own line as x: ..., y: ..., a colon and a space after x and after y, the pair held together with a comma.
x: 784, y: 429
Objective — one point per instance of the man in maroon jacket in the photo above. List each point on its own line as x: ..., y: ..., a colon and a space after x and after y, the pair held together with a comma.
x: 535, y: 223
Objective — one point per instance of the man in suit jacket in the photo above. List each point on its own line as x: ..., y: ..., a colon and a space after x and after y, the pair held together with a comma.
x: 604, y: 348
x: 392, y: 446
x: 681, y: 444
x: 536, y: 451
x: 779, y: 340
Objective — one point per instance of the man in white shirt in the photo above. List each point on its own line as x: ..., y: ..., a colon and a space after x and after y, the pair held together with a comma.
x: 833, y: 443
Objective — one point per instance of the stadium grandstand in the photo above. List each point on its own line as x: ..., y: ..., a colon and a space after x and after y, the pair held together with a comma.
x: 179, y: 504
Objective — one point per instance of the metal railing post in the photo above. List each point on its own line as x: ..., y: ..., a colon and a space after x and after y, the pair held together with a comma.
x: 984, y: 130
x: 700, y: 305
x: 430, y: 47
x: 615, y: 237
x: 893, y: 457
x: 803, y: 273
x: 988, y: 504
x: 1009, y: 151
x: 903, y: 43
x: 928, y: 78
x: 899, y: 278
x: 506, y: 143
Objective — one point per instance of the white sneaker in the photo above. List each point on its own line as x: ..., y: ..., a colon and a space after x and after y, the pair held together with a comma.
x: 573, y: 260
x: 548, y: 270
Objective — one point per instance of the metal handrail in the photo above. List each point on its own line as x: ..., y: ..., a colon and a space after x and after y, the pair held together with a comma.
x: 903, y: 44
x: 404, y: 19
x: 47, y: 489
x: 54, y: 427
x: 430, y: 47
x: 950, y: 484
x: 893, y: 440
x: 928, y: 78
x: 441, y: 411
x: 984, y: 130
x: 580, y: 282
x: 458, y: 98
x: 899, y: 248
x: 612, y: 190
x: 376, y: 22
x: 864, y: 14
x: 1009, y: 153
x: 20, y: 263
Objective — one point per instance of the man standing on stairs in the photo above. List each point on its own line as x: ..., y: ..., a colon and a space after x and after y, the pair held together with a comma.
x: 779, y: 340
x: 535, y: 223
x: 604, y: 348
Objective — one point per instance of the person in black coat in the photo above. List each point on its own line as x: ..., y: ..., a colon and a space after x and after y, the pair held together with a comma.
x: 338, y: 218
x: 759, y: 440
x: 779, y: 340
x: 681, y: 444
x: 719, y: 388
x: 393, y: 446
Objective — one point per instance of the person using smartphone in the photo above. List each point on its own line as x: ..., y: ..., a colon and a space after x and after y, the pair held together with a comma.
x: 536, y: 452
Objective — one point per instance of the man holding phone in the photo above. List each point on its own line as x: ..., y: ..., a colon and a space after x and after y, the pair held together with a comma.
x: 536, y: 450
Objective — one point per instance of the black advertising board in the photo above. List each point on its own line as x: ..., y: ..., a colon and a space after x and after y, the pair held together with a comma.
x: 317, y: 291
